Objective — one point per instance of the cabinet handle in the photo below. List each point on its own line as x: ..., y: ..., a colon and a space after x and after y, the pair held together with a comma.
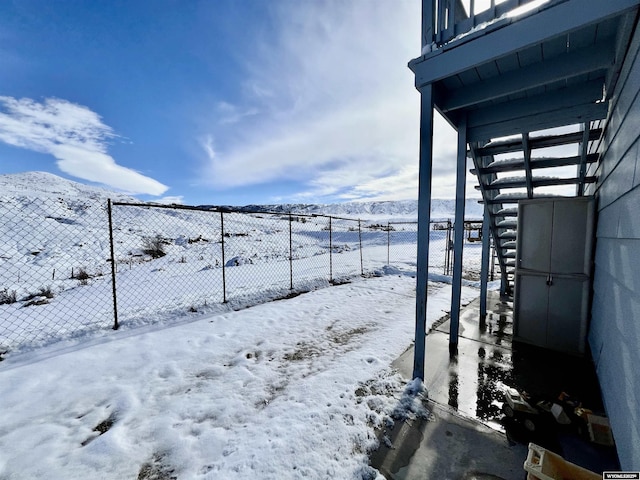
x: 549, y: 280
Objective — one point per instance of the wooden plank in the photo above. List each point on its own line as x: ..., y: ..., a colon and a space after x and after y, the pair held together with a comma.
x: 488, y: 71
x: 508, y: 63
x: 554, y: 47
x: 565, y: 116
x: 607, y: 29
x: 559, y: 99
x: 452, y: 83
x: 469, y: 77
x: 582, y: 38
x: 537, y: 163
x: 530, y: 55
x: 538, y: 182
x: 514, y: 145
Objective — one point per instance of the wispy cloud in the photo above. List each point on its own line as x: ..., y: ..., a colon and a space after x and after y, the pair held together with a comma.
x: 171, y: 200
x: 75, y: 136
x: 338, y: 110
x: 228, y: 113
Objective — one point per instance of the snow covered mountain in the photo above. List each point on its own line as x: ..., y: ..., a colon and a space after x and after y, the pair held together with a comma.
x: 47, y: 185
x: 41, y: 185
x: 401, y: 210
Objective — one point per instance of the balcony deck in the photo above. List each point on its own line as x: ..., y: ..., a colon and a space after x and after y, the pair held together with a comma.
x: 528, y: 67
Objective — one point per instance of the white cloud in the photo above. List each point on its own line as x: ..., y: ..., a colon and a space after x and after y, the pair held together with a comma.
x: 75, y: 136
x: 207, y: 146
x: 338, y: 109
x: 171, y: 200
x: 228, y: 113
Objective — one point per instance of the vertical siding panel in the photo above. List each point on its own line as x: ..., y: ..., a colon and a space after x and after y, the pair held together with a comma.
x: 614, y: 335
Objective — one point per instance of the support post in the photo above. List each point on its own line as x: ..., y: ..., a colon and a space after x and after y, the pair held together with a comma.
x: 447, y: 260
x: 424, y: 220
x: 458, y: 237
x: 330, y: 251
x: 224, y: 266
x: 388, y: 242
x: 493, y: 262
x: 484, y: 266
x: 360, y: 240
x: 504, y: 285
x: 290, y: 253
x: 113, y: 268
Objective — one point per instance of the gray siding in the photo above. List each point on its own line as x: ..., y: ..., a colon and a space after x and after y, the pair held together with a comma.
x: 614, y: 334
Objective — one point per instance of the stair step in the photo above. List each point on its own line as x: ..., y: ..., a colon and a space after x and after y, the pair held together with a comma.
x: 509, y: 234
x: 510, y: 263
x: 507, y: 212
x: 515, y: 164
x: 521, y: 182
x: 509, y: 244
x: 513, y: 198
x: 507, y: 198
x: 515, y: 144
x: 511, y: 224
x: 511, y: 254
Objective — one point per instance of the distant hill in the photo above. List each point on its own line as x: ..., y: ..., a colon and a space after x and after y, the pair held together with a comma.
x: 47, y: 185
x: 391, y: 210
x: 19, y: 189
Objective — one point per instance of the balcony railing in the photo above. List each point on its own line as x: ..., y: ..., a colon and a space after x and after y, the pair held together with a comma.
x: 444, y: 20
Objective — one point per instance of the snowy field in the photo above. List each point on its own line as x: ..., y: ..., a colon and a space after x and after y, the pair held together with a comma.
x: 190, y: 386
x: 288, y: 389
x: 56, y: 283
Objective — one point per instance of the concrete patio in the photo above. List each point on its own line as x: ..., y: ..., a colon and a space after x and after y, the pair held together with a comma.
x: 467, y: 435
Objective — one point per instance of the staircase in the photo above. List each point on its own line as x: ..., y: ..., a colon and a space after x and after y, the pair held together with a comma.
x: 503, y: 182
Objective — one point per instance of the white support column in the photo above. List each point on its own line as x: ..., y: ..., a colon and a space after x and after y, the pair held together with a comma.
x: 424, y: 219
x: 458, y: 237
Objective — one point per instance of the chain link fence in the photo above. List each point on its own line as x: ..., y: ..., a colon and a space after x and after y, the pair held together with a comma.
x: 55, y: 277
x: 130, y: 264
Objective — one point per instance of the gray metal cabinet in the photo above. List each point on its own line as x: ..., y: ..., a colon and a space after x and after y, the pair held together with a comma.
x: 553, y: 268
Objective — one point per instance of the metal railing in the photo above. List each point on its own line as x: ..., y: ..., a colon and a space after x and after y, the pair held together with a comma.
x: 131, y: 264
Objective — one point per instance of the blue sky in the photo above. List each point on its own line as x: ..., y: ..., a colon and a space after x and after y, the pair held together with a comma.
x: 219, y: 101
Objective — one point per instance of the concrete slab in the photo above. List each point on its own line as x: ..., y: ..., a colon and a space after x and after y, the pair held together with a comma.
x: 468, y: 436
x: 448, y: 446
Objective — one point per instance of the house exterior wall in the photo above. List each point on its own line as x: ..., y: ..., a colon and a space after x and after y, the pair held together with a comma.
x: 614, y: 335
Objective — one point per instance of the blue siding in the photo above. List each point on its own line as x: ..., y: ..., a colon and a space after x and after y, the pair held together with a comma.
x: 614, y: 334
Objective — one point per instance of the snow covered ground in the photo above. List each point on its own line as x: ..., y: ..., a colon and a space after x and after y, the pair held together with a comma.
x: 287, y: 389
x: 190, y: 387
x: 56, y: 283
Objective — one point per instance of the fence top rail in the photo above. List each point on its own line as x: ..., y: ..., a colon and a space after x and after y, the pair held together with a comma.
x: 224, y: 209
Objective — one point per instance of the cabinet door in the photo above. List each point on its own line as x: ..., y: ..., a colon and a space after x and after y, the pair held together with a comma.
x: 568, y: 310
x: 531, y: 305
x: 571, y: 240
x: 535, y: 222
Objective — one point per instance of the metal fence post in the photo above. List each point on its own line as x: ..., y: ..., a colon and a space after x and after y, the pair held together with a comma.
x: 290, y: 253
x: 447, y: 261
x: 224, y: 267
x: 360, y: 240
x: 493, y: 261
x: 388, y: 242
x: 330, y: 251
x: 113, y: 268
